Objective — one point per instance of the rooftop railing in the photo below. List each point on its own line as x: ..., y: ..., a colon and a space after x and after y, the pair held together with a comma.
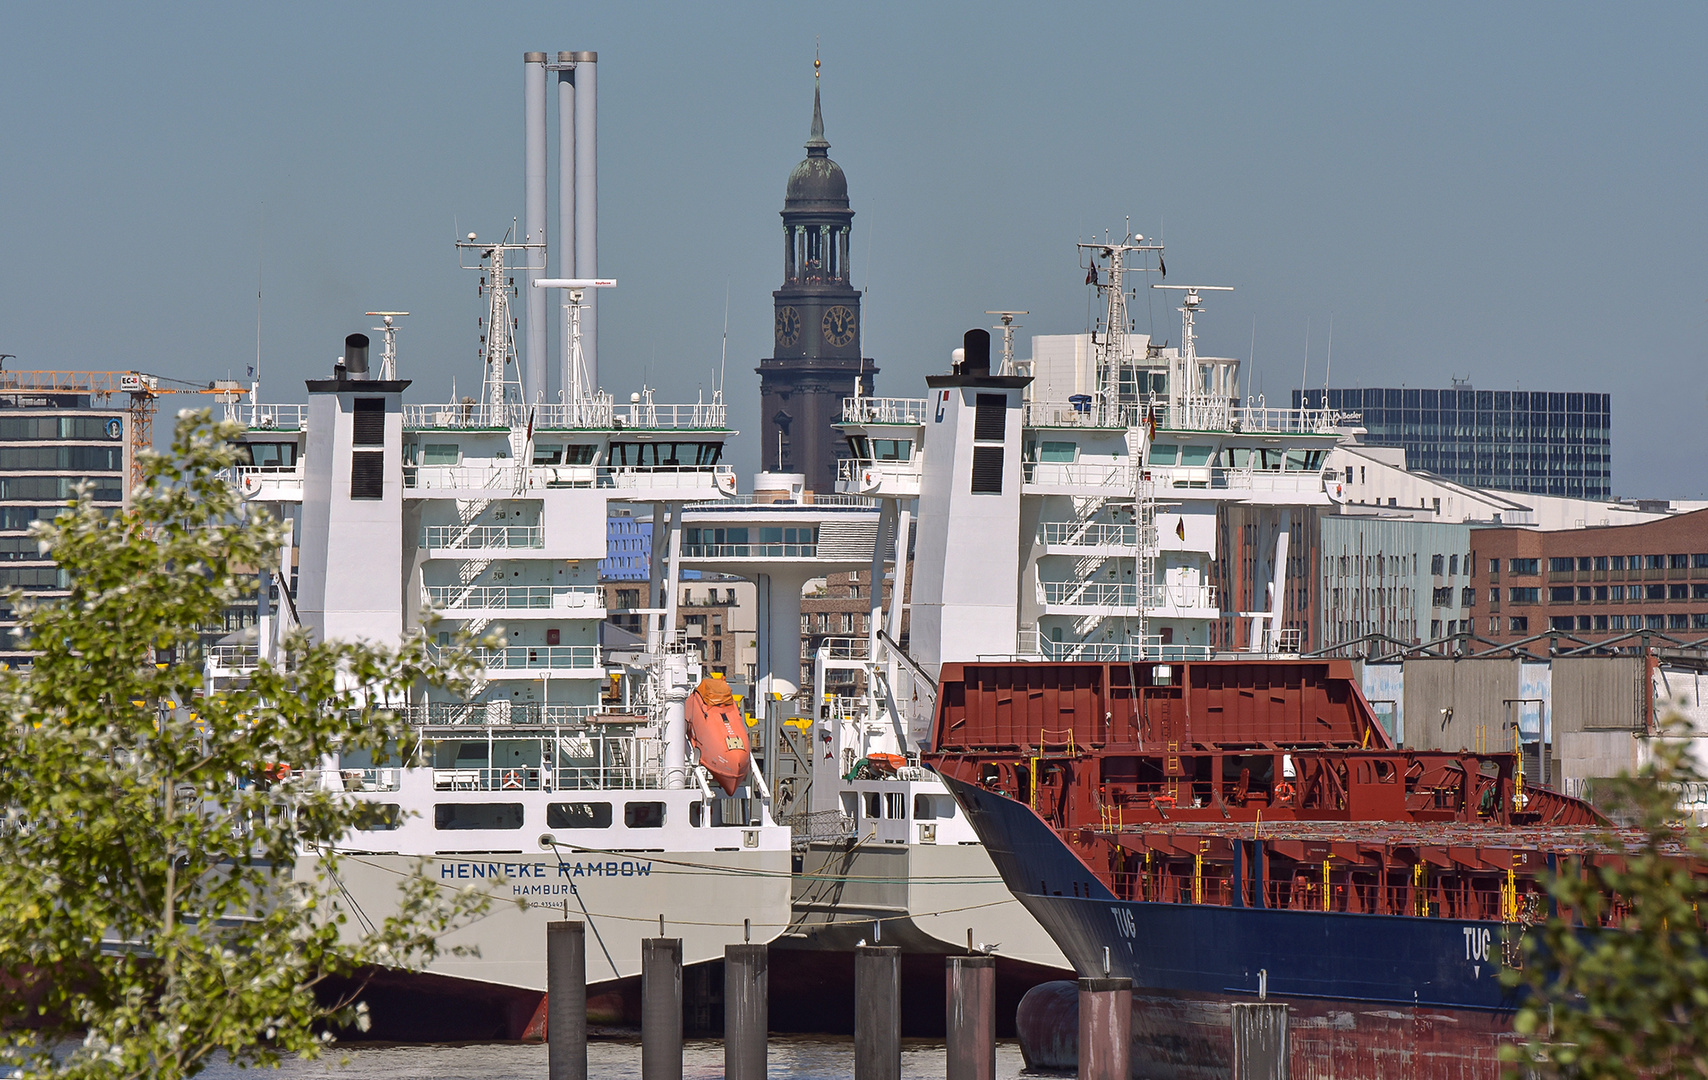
x: 464, y: 537
x: 512, y: 597
x: 1200, y: 413
x: 881, y: 410
x: 544, y: 658
x: 601, y: 414
x: 268, y: 417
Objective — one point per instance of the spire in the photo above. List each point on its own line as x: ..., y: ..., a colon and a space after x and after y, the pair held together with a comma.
x: 817, y: 144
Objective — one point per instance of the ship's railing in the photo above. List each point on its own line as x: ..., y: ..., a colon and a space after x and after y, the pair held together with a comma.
x: 845, y: 648
x: 526, y: 477
x: 855, y: 470
x: 512, y: 597
x: 1194, y: 413
x: 479, y: 713
x: 1089, y: 413
x: 600, y: 414
x: 818, y: 827
x: 1090, y: 534
x: 1112, y: 594
x: 462, y: 537
x: 882, y: 410
x: 544, y: 657
x: 268, y: 417
x: 1102, y: 477
x: 750, y: 551
x: 1216, y: 478
x: 1127, y: 650
x: 1185, y: 596
x: 232, y: 657
x: 810, y: 498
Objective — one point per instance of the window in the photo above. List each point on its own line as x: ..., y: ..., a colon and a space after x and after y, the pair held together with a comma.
x: 548, y: 455
x: 932, y: 807
x: 1584, y: 593
x: 1616, y: 622
x: 1583, y: 563
x: 1678, y: 562
x: 1616, y: 593
x: 368, y: 423
x: 1699, y: 592
x: 1560, y: 622
x: 1467, y: 596
x: 579, y: 454
x: 1699, y: 562
x: 1434, y: 628
x: 1583, y: 622
x: 578, y: 815
x: 1494, y: 566
x: 1442, y: 597
x: 893, y: 449
x: 488, y: 815
x: 1059, y: 452
x: 1559, y: 594
x: 1618, y: 561
x: 1699, y: 620
x: 987, y: 470
x: 1524, y: 596
x: 1601, y: 562
x: 1437, y: 565
x: 1654, y: 622
x: 440, y: 454
x: 895, y: 805
x: 1519, y: 624
x: 1601, y: 622
x: 1654, y: 592
x: 874, y: 806
x: 643, y: 815
x: 378, y: 817
x: 1561, y: 566
x: 1524, y: 566
x: 1678, y: 592
x: 1453, y: 564
x: 1163, y: 453
x: 1654, y: 562
x: 268, y: 455
x: 1678, y: 622
x: 1194, y: 455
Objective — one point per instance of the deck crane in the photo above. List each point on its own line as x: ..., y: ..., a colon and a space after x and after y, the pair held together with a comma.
x: 142, y: 389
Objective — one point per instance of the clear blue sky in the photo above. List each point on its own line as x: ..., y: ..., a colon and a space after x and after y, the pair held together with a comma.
x: 1509, y: 193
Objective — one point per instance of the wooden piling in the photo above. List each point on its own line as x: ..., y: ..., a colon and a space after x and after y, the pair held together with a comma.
x: 566, y: 1001
x: 970, y: 1017
x: 877, y: 1012
x: 1260, y: 1040
x: 1105, y: 1028
x: 747, y: 1008
x: 661, y: 1009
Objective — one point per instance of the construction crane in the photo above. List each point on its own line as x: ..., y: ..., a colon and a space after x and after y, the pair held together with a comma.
x: 141, y: 388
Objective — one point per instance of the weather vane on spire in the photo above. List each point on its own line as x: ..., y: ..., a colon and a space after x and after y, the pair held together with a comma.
x: 816, y: 62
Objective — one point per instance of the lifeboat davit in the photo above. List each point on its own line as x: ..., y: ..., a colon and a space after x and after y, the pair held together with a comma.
x: 719, y: 733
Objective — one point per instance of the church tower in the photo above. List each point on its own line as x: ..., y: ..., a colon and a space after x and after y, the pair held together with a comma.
x: 816, y: 358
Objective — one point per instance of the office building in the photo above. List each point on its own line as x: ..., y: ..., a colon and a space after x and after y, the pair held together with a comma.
x: 1544, y: 442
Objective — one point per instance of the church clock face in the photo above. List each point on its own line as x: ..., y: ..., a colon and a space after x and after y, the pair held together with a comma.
x: 839, y: 325
x: 788, y: 327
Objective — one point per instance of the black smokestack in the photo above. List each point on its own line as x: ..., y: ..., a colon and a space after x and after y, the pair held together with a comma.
x: 356, y: 355
x: 976, y: 348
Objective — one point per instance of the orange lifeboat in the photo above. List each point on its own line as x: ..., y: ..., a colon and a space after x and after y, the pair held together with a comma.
x: 718, y: 732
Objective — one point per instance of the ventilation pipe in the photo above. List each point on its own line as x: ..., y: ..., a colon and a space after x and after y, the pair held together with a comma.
x: 587, y: 202
x: 534, y: 219
x: 356, y: 356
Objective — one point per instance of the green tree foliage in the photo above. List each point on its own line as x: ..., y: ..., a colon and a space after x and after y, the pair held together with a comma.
x: 1632, y: 1000
x: 156, y: 904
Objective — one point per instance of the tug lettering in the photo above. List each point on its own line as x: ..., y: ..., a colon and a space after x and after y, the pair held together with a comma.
x: 1477, y: 940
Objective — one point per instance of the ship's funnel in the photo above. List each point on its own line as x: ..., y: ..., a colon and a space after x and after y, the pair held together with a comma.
x: 976, y: 352
x: 356, y: 356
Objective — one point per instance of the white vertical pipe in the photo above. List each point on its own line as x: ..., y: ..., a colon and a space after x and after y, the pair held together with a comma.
x: 565, y: 246
x: 875, y: 599
x: 534, y: 219
x: 587, y: 202
x: 898, y: 588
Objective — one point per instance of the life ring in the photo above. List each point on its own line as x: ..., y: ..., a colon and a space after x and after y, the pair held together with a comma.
x: 1283, y: 792
x: 251, y: 484
x: 512, y: 780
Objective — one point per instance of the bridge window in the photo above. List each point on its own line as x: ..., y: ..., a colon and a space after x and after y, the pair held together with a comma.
x: 643, y: 815
x: 477, y: 816
x: 578, y: 815
x: 1163, y: 453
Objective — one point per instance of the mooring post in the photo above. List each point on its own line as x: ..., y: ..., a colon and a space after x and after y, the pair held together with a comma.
x: 747, y: 1011
x: 1260, y: 1040
x: 970, y: 1020
x: 1105, y: 1028
x: 661, y: 1009
x: 877, y: 1012
x: 566, y: 1001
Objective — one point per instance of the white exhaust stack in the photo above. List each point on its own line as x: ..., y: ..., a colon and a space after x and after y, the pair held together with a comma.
x: 587, y: 201
x: 565, y: 245
x: 534, y: 219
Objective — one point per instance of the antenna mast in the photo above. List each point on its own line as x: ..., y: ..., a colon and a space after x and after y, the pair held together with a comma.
x: 388, y: 355
x: 1112, y: 349
x: 1008, y: 327
x: 501, y: 372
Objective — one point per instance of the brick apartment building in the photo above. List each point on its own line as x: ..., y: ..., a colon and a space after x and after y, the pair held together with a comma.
x: 1597, y: 584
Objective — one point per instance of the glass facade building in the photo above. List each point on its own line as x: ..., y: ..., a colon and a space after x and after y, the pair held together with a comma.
x: 1542, y: 442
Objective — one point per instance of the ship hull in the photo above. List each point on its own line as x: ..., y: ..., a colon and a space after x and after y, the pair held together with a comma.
x: 1372, y: 995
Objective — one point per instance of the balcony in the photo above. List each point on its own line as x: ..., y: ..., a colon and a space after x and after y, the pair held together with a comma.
x: 878, y: 478
x: 268, y: 417
x: 477, y: 539
x: 750, y: 551
x: 600, y: 414
x: 229, y: 661
x: 708, y: 480
x: 1122, y: 598
x: 494, y: 601
x: 525, y: 661
x: 480, y: 713
x: 1091, y: 538
x: 877, y: 410
x: 1079, y: 478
